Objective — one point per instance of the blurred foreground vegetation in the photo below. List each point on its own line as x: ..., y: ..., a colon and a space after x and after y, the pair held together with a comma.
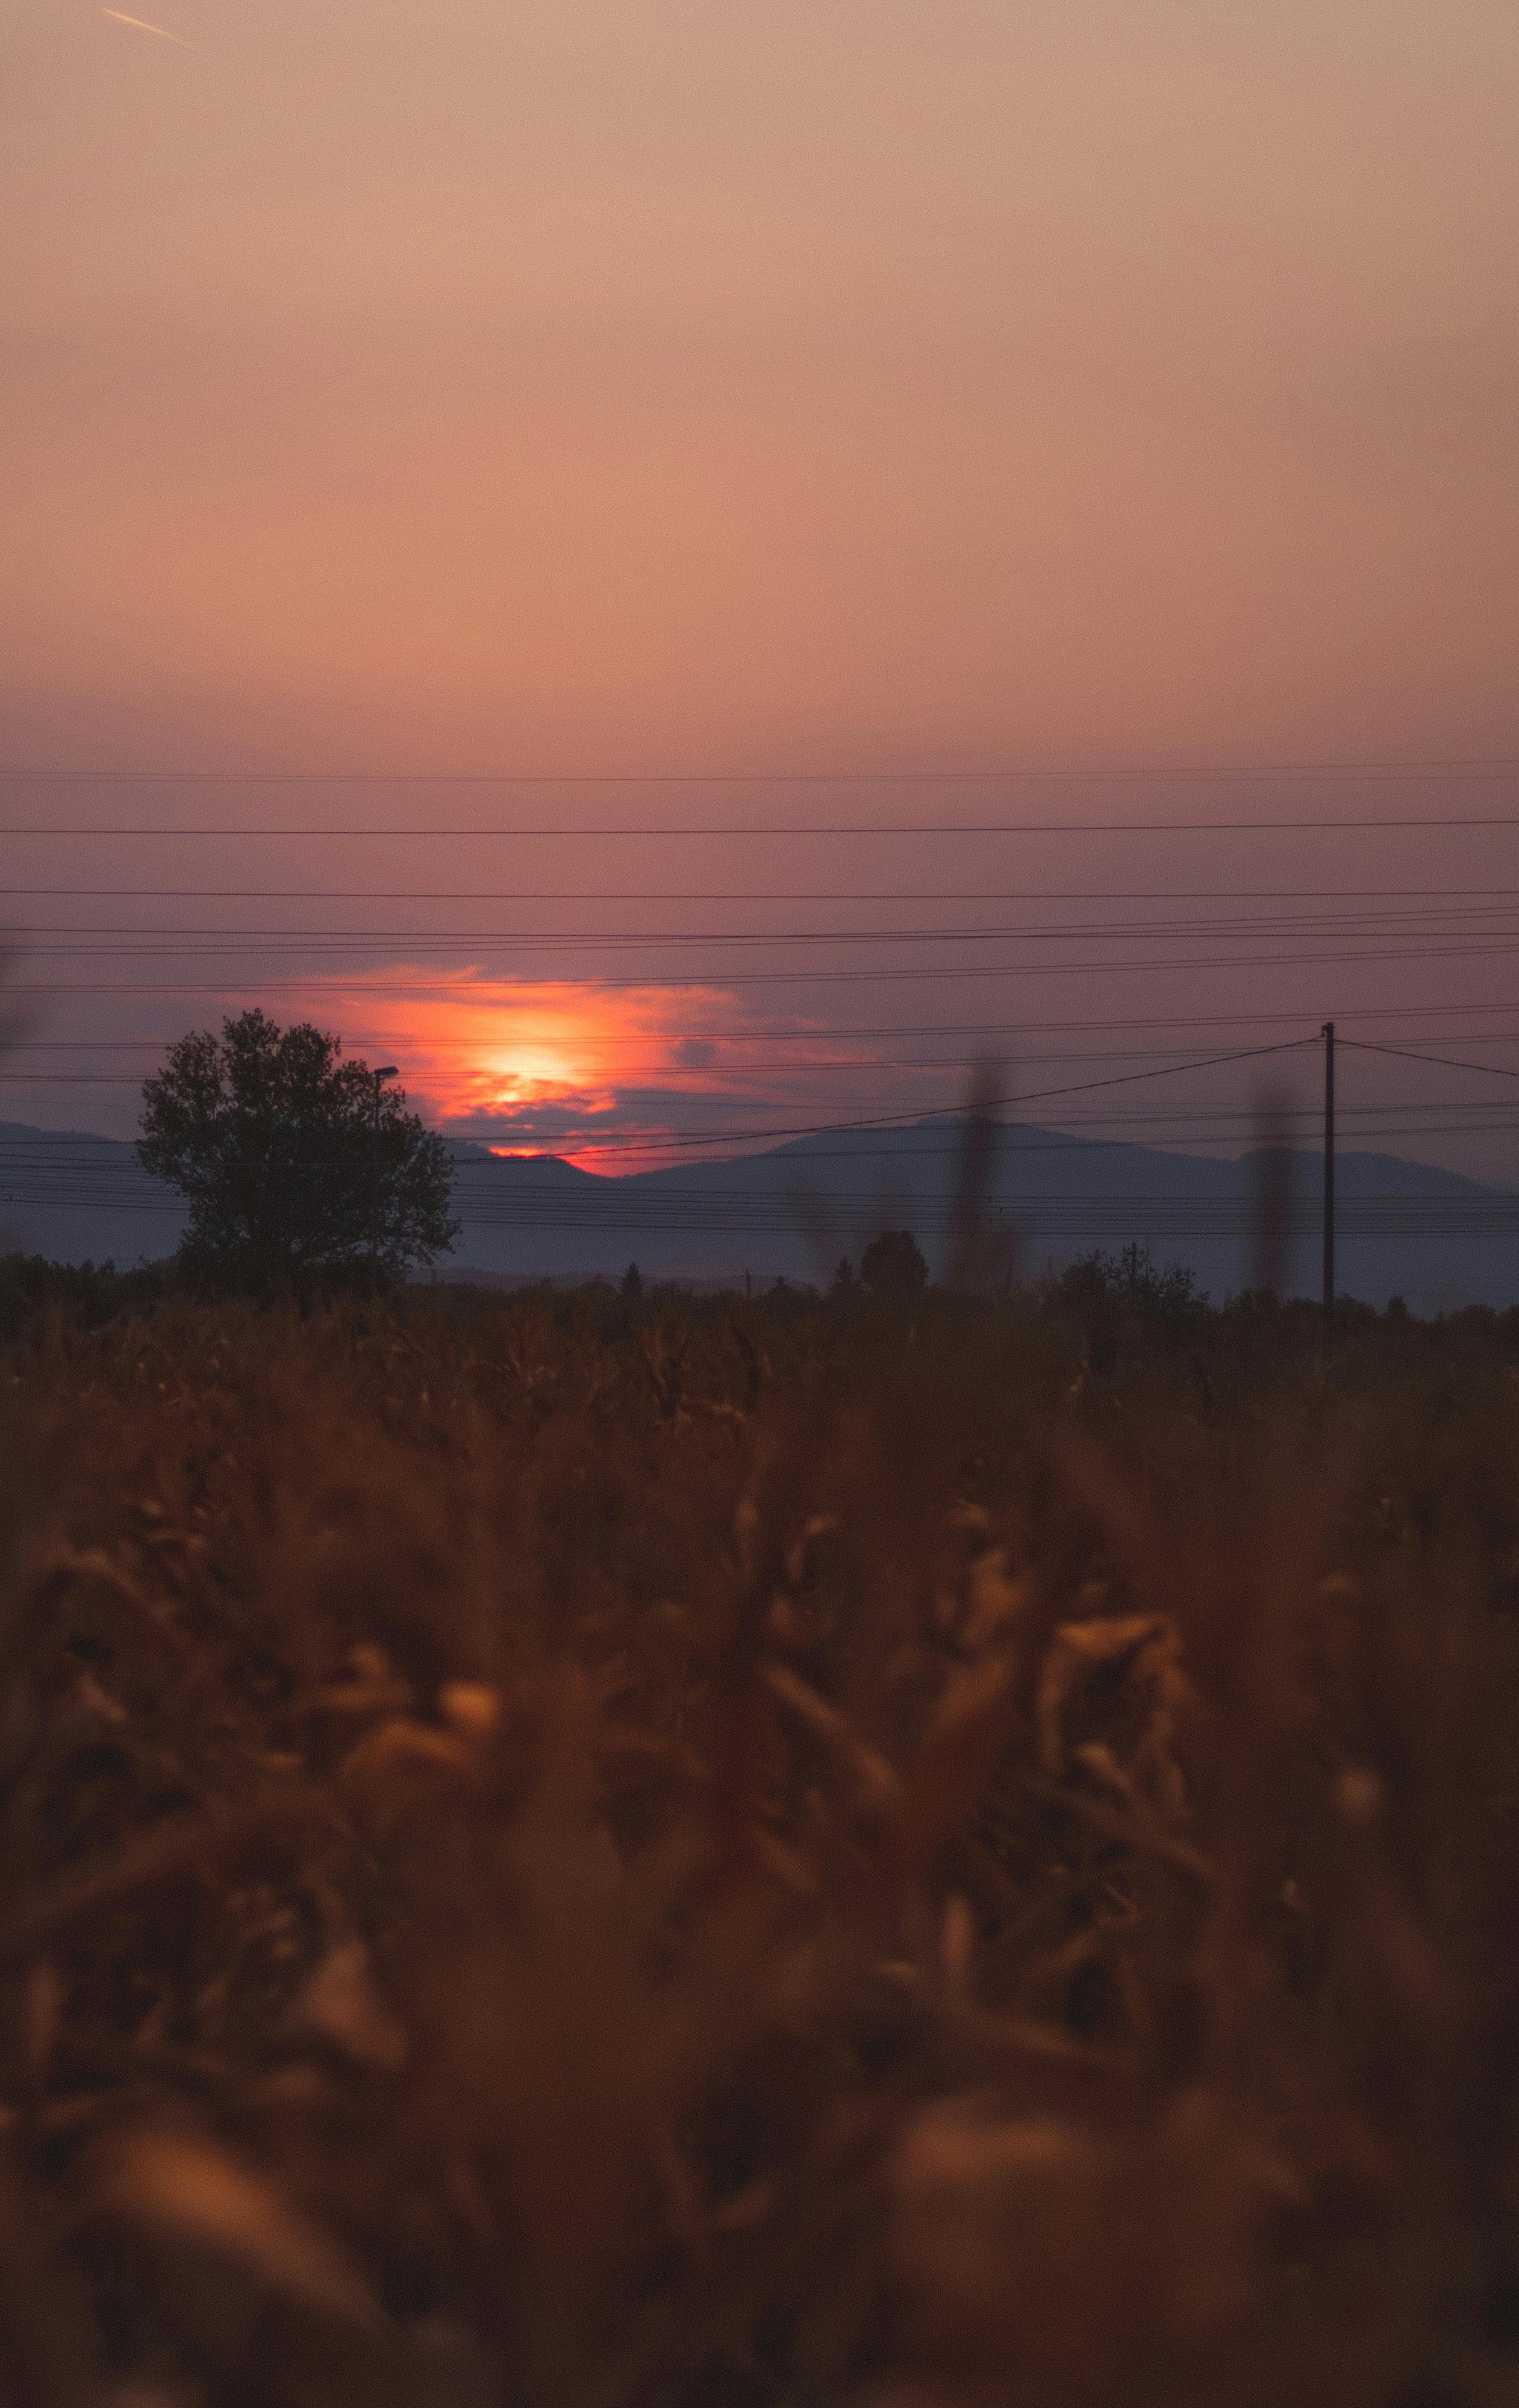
x: 606, y: 1849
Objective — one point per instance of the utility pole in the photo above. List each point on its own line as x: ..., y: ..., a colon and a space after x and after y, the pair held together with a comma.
x: 1328, y: 1175
x: 377, y: 1076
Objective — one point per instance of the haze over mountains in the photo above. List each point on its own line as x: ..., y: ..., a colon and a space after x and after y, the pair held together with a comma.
x: 1431, y: 1236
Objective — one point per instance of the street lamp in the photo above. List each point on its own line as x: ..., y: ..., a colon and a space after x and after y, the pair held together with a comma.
x: 388, y: 1071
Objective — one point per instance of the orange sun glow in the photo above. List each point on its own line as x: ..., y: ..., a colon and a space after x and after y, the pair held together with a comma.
x: 534, y: 1067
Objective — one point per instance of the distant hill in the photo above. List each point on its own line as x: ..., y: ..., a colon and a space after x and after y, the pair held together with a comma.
x: 1431, y: 1236
x: 80, y: 1199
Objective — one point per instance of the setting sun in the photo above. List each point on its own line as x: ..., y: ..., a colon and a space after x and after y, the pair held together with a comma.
x: 539, y: 1067
x: 531, y: 1073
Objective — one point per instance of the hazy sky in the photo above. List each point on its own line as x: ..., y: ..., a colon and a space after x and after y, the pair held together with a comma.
x: 726, y: 384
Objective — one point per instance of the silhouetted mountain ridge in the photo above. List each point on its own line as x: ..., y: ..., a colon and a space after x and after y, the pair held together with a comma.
x: 792, y: 1209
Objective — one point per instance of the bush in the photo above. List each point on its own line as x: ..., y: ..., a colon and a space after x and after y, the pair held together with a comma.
x: 86, y: 1293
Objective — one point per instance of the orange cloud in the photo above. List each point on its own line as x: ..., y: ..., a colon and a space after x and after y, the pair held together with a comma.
x: 533, y: 1067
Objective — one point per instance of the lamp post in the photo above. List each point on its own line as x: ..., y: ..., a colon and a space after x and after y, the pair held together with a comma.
x: 388, y: 1071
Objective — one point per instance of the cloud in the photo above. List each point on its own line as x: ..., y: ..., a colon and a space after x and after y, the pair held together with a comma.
x: 562, y: 1066
x: 541, y: 1064
x: 142, y: 26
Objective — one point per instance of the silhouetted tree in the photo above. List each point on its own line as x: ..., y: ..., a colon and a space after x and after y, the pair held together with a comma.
x: 289, y: 1161
x: 1133, y: 1282
x: 633, y: 1281
x: 890, y: 1265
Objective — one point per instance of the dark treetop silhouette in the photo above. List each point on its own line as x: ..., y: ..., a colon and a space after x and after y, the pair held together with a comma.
x: 891, y: 1265
x: 290, y: 1161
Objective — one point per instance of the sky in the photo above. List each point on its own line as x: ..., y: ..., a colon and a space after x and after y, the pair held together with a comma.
x: 682, y: 392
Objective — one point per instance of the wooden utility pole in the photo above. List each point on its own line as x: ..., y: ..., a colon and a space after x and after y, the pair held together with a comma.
x: 1328, y: 1174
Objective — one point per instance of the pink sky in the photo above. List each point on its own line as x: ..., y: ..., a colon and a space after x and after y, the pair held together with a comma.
x: 883, y: 385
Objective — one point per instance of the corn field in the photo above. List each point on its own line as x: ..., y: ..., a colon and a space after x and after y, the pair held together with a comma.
x: 586, y: 1852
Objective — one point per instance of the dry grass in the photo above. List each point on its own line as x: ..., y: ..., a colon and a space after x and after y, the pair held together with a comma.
x: 557, y: 1852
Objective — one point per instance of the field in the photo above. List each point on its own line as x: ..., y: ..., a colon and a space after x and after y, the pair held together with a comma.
x: 579, y: 1850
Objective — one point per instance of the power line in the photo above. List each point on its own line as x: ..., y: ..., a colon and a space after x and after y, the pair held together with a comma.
x: 730, y: 1063
x: 1500, y: 766
x: 925, y: 1115
x: 851, y: 1033
x: 914, y: 1062
x: 133, y: 1190
x: 989, y: 1104
x: 729, y: 977
x: 1060, y: 1217
x: 1199, y: 1127
x: 1363, y: 1045
x: 47, y: 1151
x: 1087, y: 1218
x: 1416, y: 918
x: 850, y: 830
x: 89, y: 1165
x: 756, y: 895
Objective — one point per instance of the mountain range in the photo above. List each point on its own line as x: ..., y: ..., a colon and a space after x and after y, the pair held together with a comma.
x: 1433, y: 1237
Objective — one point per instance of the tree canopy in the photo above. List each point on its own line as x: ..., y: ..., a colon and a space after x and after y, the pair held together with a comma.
x: 891, y: 1265
x: 291, y: 1161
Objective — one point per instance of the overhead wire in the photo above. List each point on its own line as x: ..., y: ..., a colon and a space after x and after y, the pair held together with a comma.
x: 1419, y: 919
x: 859, y: 1033
x: 22, y: 1153
x: 731, y: 977
x: 605, y: 1208
x: 1447, y: 912
x: 1401, y: 766
x: 1363, y: 1045
x: 846, y: 830
x: 755, y: 895
x: 988, y: 1104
